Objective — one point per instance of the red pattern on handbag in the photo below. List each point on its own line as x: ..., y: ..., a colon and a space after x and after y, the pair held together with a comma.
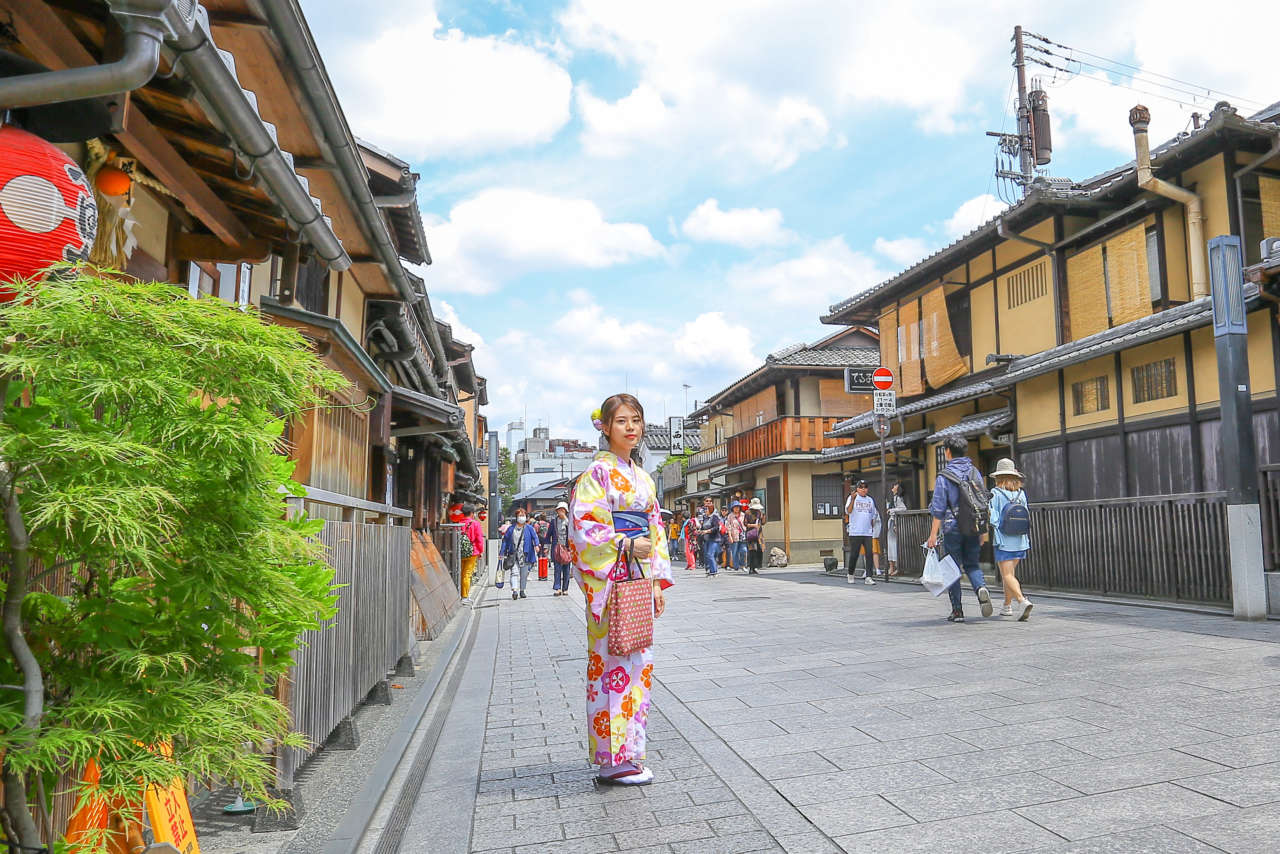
x: 630, y: 609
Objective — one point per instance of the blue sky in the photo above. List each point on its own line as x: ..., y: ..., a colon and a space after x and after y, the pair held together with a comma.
x: 643, y: 195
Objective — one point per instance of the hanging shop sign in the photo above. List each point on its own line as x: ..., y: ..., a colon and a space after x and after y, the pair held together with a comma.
x: 47, y: 210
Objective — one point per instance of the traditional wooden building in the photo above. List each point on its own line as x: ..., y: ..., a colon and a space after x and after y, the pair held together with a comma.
x: 771, y: 427
x: 1071, y: 331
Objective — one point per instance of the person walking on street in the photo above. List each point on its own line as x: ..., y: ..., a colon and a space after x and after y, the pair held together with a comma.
x: 959, y: 509
x: 711, y: 537
x: 522, y: 544
x: 618, y: 686
x: 471, y: 546
x: 863, y: 518
x: 558, y: 541
x: 690, y: 537
x: 736, y: 532
x: 1011, y: 527
x: 754, y: 536
x: 897, y: 504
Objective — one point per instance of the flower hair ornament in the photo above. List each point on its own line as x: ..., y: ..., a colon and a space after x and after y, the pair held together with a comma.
x: 596, y: 421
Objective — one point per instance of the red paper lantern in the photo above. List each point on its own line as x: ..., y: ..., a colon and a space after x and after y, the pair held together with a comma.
x: 455, y: 513
x: 47, y: 212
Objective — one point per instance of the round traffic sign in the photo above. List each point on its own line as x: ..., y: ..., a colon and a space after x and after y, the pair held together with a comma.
x: 882, y: 379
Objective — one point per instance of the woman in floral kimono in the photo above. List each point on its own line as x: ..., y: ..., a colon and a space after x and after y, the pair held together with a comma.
x: 617, y: 686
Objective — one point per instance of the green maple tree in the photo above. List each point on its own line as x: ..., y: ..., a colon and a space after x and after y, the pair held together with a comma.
x: 154, y: 586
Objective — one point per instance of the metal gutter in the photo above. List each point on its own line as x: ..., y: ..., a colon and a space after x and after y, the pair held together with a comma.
x: 184, y: 27
x: 144, y: 31
x: 289, y: 26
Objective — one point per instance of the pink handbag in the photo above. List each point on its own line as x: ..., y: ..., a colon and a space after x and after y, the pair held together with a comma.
x: 630, y: 609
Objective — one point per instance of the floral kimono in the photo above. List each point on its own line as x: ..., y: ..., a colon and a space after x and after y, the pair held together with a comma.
x: 617, y: 686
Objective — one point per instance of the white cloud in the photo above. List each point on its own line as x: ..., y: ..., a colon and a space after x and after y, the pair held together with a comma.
x: 590, y: 352
x: 745, y: 227
x: 824, y: 273
x: 903, y: 250
x: 503, y: 233
x: 421, y: 90
x: 972, y: 214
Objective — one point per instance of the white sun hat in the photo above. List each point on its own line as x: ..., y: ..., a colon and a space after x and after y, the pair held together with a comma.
x: 1006, y: 468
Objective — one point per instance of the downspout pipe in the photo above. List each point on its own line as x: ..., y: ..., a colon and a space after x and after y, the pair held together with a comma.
x: 203, y: 63
x: 142, y: 40
x: 1139, y: 120
x: 1004, y: 232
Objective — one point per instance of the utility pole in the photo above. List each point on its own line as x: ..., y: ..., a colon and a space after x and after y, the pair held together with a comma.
x: 1027, y: 146
x: 686, y: 399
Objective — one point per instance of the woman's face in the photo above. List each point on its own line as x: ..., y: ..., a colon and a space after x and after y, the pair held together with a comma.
x: 624, y: 430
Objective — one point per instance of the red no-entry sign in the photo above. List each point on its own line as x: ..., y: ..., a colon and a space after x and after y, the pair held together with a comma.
x: 882, y: 379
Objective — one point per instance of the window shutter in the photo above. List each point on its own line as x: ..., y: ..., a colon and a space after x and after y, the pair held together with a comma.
x: 889, y: 342
x: 1087, y: 293
x: 1127, y: 268
x: 942, y: 361
x: 909, y: 320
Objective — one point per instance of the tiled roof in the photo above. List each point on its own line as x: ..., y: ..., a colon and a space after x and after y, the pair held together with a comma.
x: 658, y: 438
x: 848, y: 452
x: 974, y: 424
x: 1042, y: 194
x: 837, y: 357
x: 1162, y: 324
x: 968, y: 391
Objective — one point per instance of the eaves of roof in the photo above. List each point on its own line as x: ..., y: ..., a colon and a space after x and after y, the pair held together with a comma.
x: 426, y: 406
x: 959, y: 394
x: 797, y: 357
x: 1171, y: 321
x: 336, y: 332
x: 848, y: 452
x: 974, y: 425
x: 1099, y: 190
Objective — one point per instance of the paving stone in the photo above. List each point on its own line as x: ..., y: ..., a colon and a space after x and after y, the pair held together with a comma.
x: 594, y: 845
x: 811, y: 842
x: 1148, y: 840
x: 1238, y: 752
x: 978, y: 764
x: 934, y: 803
x: 855, y: 815
x: 1126, y: 809
x: 1048, y: 729
x: 1106, y: 775
x: 824, y: 788
x: 668, y: 833
x: 738, y: 843
x: 990, y: 833
x: 1139, y: 739
x: 1244, y: 787
x: 791, y: 765
x: 1246, y: 831
x: 486, y: 840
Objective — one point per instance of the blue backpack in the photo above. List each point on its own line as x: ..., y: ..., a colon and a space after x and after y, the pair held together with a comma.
x: 1015, y: 519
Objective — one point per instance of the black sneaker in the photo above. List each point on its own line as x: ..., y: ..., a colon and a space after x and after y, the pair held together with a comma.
x: 956, y: 617
x: 514, y: 595
x: 522, y: 596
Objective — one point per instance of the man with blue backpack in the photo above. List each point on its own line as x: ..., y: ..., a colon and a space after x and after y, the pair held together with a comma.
x: 1011, y: 524
x: 960, y: 509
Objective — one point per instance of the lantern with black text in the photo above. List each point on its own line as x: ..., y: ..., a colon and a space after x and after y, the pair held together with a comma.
x: 47, y: 212
x: 455, y: 513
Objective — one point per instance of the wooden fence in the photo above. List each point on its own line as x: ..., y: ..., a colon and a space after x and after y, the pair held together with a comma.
x: 1167, y: 547
x: 1269, y: 499
x: 336, y: 667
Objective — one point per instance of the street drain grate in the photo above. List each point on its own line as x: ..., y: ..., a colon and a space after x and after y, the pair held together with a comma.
x: 741, y: 598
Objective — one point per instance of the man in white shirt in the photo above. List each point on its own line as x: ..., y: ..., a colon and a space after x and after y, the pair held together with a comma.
x: 863, y: 518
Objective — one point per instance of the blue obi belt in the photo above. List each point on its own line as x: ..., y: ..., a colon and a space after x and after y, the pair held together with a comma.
x: 631, y: 523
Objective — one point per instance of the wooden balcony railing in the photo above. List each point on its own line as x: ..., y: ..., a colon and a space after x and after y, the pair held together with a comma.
x: 709, y: 457
x: 781, y: 436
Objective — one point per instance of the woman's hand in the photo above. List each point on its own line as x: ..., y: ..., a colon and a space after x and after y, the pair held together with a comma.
x: 659, y: 601
x: 641, y: 548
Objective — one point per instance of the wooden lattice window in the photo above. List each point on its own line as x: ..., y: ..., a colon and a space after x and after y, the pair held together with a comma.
x: 1091, y: 395
x: 828, y: 496
x: 1155, y: 380
x: 1027, y: 285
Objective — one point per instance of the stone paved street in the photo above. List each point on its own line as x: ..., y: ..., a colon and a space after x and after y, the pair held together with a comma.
x: 796, y: 713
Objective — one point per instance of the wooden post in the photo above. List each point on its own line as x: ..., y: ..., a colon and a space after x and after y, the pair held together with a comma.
x: 786, y: 509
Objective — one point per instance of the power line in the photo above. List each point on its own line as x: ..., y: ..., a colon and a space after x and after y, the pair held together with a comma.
x: 1180, y: 101
x: 1136, y: 71
x: 1207, y: 95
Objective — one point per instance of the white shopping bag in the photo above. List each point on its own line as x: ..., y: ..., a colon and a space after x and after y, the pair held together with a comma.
x: 939, y: 573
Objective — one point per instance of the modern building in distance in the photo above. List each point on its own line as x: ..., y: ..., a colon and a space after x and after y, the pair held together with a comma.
x: 541, y: 458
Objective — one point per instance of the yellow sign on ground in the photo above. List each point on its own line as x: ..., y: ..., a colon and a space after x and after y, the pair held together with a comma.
x: 171, y: 817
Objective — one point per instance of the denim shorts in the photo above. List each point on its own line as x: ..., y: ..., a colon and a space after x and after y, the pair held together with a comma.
x: 1002, y: 555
